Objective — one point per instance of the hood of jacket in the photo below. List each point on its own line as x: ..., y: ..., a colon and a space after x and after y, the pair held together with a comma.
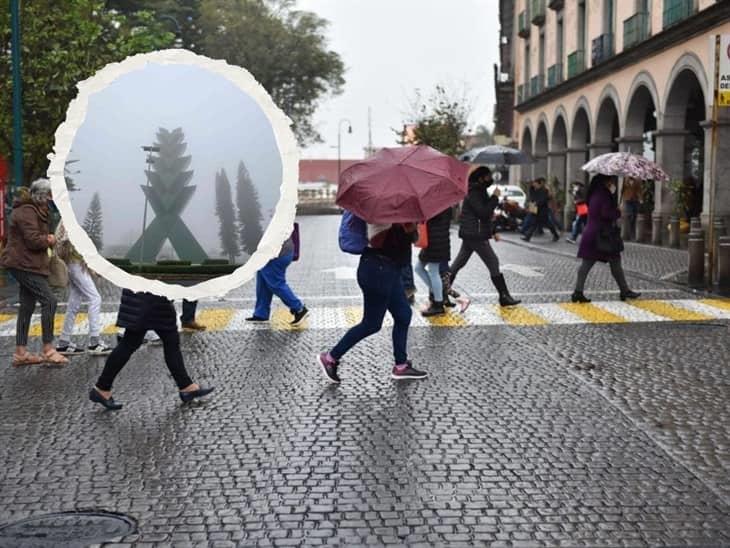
x: 23, y: 199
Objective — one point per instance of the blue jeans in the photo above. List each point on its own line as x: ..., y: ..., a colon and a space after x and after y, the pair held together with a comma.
x: 382, y: 291
x: 406, y: 273
x: 578, y: 225
x: 631, y: 208
x: 429, y: 273
x: 270, y: 281
x: 527, y: 222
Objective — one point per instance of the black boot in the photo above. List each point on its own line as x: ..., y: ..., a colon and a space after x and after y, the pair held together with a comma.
x: 436, y: 309
x: 579, y: 297
x: 505, y: 299
x: 445, y: 279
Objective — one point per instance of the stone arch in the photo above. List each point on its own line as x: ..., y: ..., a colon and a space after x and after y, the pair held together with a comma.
x: 582, y: 109
x: 689, y: 62
x: 526, y: 146
x: 608, y: 124
x: 642, y: 80
x: 641, y: 122
x: 541, y: 148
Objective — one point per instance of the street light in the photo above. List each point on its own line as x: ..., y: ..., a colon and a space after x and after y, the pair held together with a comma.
x: 339, y: 145
x: 178, y: 32
x: 149, y: 149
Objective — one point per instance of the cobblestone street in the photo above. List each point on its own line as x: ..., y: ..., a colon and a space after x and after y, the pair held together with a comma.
x: 553, y: 425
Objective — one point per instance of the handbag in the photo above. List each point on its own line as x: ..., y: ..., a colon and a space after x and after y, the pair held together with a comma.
x: 609, y: 240
x: 581, y: 209
x: 422, y: 240
x: 532, y: 208
x: 58, y: 272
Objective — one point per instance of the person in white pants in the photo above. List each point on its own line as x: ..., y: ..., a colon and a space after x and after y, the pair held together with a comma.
x: 81, y: 289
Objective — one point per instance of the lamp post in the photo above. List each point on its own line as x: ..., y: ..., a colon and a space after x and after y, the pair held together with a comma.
x: 149, y: 149
x: 178, y: 31
x: 339, y: 145
x: 17, y: 94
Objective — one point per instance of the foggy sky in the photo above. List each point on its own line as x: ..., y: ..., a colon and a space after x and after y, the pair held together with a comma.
x: 392, y: 47
x: 222, y: 126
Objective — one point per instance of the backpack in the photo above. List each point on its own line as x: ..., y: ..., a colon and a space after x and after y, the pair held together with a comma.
x: 353, y: 234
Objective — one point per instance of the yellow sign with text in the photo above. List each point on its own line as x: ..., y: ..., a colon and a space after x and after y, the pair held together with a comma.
x: 723, y: 72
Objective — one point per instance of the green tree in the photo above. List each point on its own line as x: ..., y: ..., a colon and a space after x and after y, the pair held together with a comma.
x: 249, y: 211
x: 438, y: 121
x: 226, y: 217
x: 176, y: 15
x: 63, y: 43
x: 285, y: 49
x: 94, y: 222
x: 482, y: 137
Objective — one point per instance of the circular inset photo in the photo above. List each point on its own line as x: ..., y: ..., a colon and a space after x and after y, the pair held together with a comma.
x: 175, y: 174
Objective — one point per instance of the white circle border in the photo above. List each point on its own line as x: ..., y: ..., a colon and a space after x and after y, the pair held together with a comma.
x: 280, y: 226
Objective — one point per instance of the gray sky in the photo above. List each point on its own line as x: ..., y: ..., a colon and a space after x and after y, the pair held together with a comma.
x: 222, y: 126
x: 392, y: 47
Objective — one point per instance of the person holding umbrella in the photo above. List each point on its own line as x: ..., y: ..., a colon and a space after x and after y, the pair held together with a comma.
x: 388, y: 193
x: 601, y: 239
x: 475, y: 232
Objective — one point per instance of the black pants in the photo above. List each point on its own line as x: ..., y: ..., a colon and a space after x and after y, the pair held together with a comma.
x: 617, y: 272
x: 481, y: 248
x: 34, y: 288
x: 129, y: 344
x: 542, y: 221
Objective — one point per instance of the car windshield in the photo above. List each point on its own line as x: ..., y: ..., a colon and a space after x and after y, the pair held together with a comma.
x: 511, y: 192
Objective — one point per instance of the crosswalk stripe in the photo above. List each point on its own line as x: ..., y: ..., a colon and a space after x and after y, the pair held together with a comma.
x: 520, y: 315
x: 723, y: 304
x: 592, y: 313
x: 343, y: 317
x: 668, y: 310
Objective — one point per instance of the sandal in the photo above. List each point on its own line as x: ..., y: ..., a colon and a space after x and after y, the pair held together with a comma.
x: 54, y: 358
x: 26, y: 359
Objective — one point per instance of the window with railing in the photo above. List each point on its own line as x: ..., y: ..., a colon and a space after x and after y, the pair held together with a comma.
x: 576, y: 63
x: 601, y: 49
x: 555, y: 75
x: 521, y: 93
x: 636, y: 29
x: 538, y: 11
x: 536, y: 85
x: 677, y: 10
x: 523, y: 26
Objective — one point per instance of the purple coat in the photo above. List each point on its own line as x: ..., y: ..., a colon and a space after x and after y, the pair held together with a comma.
x: 602, y: 211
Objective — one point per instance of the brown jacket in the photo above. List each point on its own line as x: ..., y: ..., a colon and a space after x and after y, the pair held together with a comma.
x: 27, y: 247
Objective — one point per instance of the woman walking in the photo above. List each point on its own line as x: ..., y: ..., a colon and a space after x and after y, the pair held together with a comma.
x: 139, y: 312
x: 81, y: 288
x: 379, y: 278
x: 476, y: 230
x: 540, y: 196
x: 270, y: 281
x: 26, y: 259
x: 430, y: 258
x: 600, y: 241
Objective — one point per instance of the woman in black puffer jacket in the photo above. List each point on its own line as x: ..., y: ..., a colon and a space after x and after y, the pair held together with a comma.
x: 476, y: 230
x: 429, y: 259
x: 139, y: 313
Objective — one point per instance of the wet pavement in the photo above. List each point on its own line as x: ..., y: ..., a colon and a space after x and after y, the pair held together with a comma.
x: 525, y: 434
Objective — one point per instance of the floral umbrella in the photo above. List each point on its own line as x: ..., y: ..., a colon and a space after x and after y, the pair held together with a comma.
x: 625, y: 164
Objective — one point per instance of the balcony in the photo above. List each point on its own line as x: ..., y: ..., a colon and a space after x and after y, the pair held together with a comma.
x: 576, y: 63
x: 636, y: 29
x: 677, y: 10
x: 555, y: 75
x: 601, y: 49
x: 536, y: 85
x: 556, y: 5
x: 523, y: 27
x: 538, y: 12
x: 521, y: 95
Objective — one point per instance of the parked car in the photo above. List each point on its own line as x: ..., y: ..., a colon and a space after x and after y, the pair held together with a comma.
x: 513, y: 193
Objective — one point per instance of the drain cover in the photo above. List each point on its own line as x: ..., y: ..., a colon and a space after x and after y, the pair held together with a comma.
x: 68, y: 529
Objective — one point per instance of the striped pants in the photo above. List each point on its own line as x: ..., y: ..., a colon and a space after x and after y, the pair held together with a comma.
x: 34, y: 288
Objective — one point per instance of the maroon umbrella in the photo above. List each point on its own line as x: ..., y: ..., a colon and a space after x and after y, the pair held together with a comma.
x: 402, y: 185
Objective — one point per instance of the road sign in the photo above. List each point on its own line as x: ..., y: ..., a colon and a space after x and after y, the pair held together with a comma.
x: 723, y: 72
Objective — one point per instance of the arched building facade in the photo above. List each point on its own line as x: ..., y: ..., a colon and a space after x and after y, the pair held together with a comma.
x: 645, y: 90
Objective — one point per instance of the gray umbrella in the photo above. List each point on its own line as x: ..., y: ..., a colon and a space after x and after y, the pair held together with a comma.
x: 496, y: 155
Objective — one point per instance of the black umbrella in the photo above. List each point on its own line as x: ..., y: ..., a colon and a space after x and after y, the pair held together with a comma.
x: 496, y: 155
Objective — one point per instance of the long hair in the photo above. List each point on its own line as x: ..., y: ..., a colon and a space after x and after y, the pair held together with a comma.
x: 596, y: 183
x: 478, y: 173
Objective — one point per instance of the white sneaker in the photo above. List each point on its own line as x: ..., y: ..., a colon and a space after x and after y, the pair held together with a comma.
x: 99, y: 350
x: 70, y: 350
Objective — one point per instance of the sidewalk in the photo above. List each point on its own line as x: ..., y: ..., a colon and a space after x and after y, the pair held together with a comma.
x: 659, y: 263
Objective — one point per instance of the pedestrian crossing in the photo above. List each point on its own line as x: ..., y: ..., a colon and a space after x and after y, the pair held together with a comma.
x: 343, y: 317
